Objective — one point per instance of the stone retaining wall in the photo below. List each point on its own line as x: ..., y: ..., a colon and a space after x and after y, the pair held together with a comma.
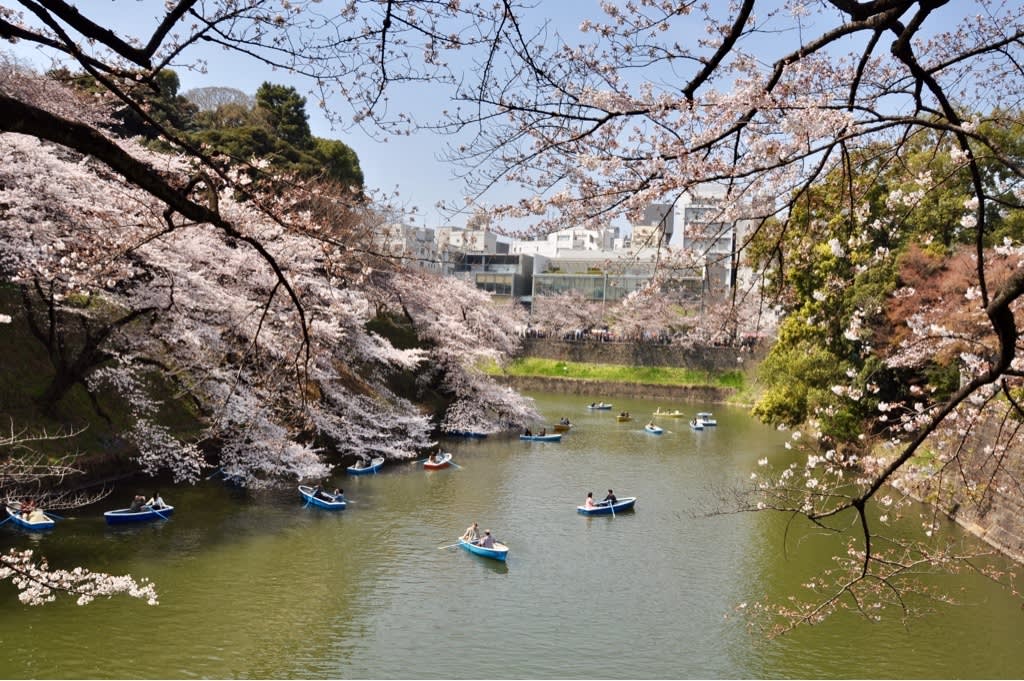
x: 998, y: 519
x: 598, y: 390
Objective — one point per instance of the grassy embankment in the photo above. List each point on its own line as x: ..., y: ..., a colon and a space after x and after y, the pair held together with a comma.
x: 738, y: 381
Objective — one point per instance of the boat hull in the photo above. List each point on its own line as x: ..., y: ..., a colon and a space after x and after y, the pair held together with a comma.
x: 554, y: 437
x: 624, y: 504
x: 466, y: 433
x: 374, y: 466
x: 599, y: 407
x: 561, y: 427
x: 39, y: 526
x: 654, y: 430
x: 445, y: 462
x: 307, y: 493
x: 123, y: 516
x: 670, y: 414
x: 499, y: 552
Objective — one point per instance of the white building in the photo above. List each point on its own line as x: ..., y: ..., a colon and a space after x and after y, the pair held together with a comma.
x: 413, y: 245
x: 567, y: 241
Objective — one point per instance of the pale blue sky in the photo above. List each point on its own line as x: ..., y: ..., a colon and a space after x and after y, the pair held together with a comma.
x: 409, y: 164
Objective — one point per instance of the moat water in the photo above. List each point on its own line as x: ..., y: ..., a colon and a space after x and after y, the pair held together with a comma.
x: 254, y: 585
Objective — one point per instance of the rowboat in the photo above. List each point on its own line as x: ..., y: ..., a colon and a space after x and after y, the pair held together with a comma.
x: 14, y: 511
x: 674, y: 414
x: 550, y: 437
x: 498, y: 552
x: 696, y: 425
x: 603, y: 508
x: 653, y: 429
x: 374, y: 466
x: 561, y: 427
x: 706, y: 419
x: 623, y: 417
x: 331, y: 503
x: 599, y: 405
x: 444, y: 459
x: 146, y: 513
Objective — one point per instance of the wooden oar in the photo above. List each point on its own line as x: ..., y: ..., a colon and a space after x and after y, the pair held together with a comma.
x: 454, y: 465
x: 216, y: 472
x: 449, y: 546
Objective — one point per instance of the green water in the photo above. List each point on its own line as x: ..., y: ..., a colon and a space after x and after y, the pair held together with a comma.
x: 254, y: 585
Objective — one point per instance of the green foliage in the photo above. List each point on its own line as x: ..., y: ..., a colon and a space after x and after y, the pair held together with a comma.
x: 275, y: 128
x: 835, y: 261
x: 284, y: 110
x: 619, y: 373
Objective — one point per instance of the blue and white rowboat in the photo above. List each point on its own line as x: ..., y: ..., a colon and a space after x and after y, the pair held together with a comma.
x: 603, y: 406
x: 653, y: 429
x: 498, y: 552
x: 374, y: 466
x: 706, y: 419
x: 147, y: 513
x: 332, y: 503
x: 696, y: 425
x: 36, y: 526
x: 551, y: 437
x: 602, y: 508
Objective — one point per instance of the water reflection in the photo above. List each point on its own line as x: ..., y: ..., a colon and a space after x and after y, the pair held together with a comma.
x: 254, y: 585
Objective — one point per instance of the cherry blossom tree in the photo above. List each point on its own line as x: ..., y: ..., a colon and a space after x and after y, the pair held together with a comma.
x: 636, y: 108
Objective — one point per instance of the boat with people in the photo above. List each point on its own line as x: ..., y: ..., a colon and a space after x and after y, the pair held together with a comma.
x: 563, y: 425
x: 706, y: 418
x: 35, y: 520
x: 674, y: 414
x: 604, y: 508
x: 624, y: 416
x: 120, y: 516
x: 322, y: 499
x: 438, y: 461
x: 362, y: 468
x: 696, y: 425
x: 549, y: 437
x: 603, y: 406
x: 497, y: 552
x: 654, y: 429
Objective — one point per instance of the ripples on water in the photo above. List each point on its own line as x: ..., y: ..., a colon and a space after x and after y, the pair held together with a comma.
x: 255, y: 585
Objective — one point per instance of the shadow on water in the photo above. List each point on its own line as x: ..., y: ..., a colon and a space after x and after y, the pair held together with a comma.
x: 254, y: 585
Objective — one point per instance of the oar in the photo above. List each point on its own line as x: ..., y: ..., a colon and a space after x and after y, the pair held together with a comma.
x: 216, y: 472
x: 158, y: 512
x: 449, y: 546
x: 54, y: 515
x: 6, y: 519
x: 454, y: 465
